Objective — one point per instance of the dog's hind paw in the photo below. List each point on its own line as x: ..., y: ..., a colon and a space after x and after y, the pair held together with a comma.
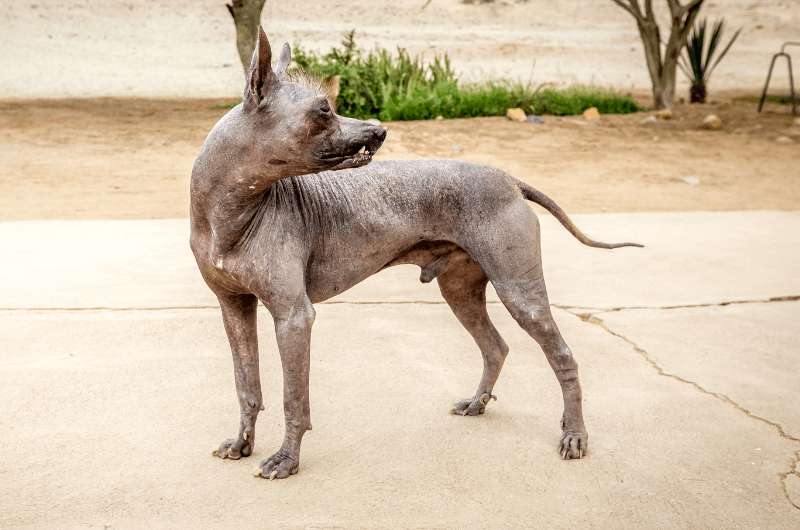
x: 234, y: 449
x: 472, y: 406
x: 573, y: 445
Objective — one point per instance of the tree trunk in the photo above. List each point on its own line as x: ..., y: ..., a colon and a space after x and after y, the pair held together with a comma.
x: 661, y: 81
x: 662, y: 69
x: 246, y: 17
x: 665, y: 95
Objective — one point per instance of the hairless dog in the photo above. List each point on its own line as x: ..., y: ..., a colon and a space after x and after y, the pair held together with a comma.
x: 286, y: 211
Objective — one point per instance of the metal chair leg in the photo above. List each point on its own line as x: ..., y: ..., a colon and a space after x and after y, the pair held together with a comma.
x: 769, y: 78
x: 775, y: 57
x: 791, y: 86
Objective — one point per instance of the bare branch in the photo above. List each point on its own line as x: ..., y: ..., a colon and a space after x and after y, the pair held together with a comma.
x: 635, y: 7
x: 693, y: 9
x: 674, y: 7
x: 627, y: 8
x: 678, y: 10
x: 648, y: 9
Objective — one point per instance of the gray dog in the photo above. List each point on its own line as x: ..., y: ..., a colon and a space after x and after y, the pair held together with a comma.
x: 282, y: 211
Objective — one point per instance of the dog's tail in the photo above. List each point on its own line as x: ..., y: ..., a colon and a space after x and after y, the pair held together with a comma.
x: 534, y: 195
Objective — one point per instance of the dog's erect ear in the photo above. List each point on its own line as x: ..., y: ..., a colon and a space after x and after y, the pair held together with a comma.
x: 331, y: 85
x: 261, y: 77
x: 284, y: 60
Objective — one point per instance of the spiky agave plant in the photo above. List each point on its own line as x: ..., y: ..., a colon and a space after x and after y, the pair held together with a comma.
x: 700, y: 59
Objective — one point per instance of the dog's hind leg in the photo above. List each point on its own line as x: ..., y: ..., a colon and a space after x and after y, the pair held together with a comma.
x: 512, y: 261
x: 463, y: 285
x: 239, y: 317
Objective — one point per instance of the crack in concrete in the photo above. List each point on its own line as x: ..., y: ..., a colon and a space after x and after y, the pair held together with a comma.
x: 598, y: 310
x: 591, y: 318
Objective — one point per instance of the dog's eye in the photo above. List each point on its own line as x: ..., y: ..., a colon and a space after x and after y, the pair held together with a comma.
x: 323, y: 107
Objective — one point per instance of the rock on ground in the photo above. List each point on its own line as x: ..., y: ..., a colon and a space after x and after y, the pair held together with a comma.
x: 591, y: 114
x: 516, y: 114
x: 712, y: 122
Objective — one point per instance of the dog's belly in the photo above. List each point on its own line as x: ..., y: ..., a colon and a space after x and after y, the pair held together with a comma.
x: 337, y: 270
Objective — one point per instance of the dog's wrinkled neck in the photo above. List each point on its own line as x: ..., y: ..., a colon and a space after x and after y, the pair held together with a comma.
x: 229, y: 206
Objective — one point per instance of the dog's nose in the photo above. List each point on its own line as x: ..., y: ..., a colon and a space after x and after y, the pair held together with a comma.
x: 379, y: 133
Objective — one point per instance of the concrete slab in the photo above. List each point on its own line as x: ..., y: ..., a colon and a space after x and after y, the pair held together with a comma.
x: 690, y: 258
x: 109, y: 417
x: 746, y: 354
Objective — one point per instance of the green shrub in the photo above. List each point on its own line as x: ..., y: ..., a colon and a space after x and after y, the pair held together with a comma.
x: 378, y: 84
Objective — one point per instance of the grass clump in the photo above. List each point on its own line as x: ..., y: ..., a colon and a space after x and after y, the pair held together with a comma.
x: 379, y: 84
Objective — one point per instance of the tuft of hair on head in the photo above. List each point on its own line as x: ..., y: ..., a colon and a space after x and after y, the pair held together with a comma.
x: 328, y: 87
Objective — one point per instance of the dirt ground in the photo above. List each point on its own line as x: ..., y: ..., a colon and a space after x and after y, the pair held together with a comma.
x: 185, y: 48
x: 131, y: 158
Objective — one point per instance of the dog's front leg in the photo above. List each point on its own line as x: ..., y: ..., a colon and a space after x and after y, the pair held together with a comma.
x: 239, y: 317
x: 293, y: 332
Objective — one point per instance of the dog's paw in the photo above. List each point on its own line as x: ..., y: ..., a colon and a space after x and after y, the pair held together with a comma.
x: 473, y: 406
x: 234, y: 448
x: 279, y: 465
x: 573, y: 445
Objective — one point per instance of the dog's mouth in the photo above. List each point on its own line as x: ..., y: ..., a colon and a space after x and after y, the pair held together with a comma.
x: 358, y: 155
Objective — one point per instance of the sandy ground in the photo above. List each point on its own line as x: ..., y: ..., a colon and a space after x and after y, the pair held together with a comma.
x: 184, y: 48
x: 109, y: 414
x: 129, y: 158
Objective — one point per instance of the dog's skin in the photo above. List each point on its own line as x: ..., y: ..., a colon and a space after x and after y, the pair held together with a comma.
x: 283, y: 212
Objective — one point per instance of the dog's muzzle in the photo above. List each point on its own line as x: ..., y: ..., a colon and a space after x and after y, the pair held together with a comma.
x: 361, y: 153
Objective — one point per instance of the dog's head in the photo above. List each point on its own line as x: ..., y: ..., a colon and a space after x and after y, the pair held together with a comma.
x: 293, y: 122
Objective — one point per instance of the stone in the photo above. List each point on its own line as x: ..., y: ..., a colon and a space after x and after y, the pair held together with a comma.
x: 664, y: 114
x: 650, y: 120
x: 516, y: 114
x: 538, y: 120
x: 784, y: 140
x: 691, y: 180
x: 712, y: 122
x: 796, y: 122
x: 591, y: 114
x: 439, y: 117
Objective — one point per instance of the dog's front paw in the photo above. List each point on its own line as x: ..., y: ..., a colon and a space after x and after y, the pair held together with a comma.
x: 573, y: 445
x: 280, y: 465
x: 234, y: 448
x: 473, y: 406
